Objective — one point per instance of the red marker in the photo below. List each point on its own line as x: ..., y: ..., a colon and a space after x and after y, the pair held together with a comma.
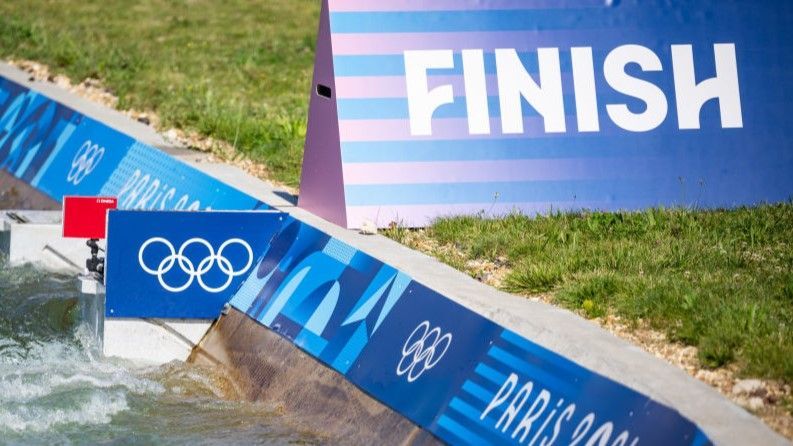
x: 86, y: 217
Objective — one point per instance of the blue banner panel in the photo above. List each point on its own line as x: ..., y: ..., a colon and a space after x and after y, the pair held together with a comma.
x: 326, y: 296
x: 85, y: 161
x: 470, y: 381
x: 62, y: 152
x: 181, y: 264
x: 454, y: 107
x: 32, y: 127
x: 453, y: 372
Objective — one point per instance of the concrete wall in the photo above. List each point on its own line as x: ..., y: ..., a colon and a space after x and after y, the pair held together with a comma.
x: 268, y: 368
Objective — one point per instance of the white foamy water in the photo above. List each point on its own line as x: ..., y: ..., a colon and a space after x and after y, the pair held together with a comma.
x: 56, y: 383
x: 56, y: 389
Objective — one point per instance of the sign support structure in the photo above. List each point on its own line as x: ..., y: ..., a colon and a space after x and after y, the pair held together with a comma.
x: 321, y: 181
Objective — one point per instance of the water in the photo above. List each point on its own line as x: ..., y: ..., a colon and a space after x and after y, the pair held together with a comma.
x: 56, y: 389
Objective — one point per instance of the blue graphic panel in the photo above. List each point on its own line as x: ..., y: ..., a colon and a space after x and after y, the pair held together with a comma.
x: 448, y: 369
x: 181, y: 264
x: 147, y: 178
x: 85, y: 162
x: 470, y: 381
x: 324, y: 295
x: 520, y: 392
x: 419, y: 357
x: 61, y: 152
x: 32, y: 127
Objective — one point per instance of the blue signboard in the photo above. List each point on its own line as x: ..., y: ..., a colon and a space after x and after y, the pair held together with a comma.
x: 448, y: 107
x: 181, y: 264
x: 62, y: 152
x: 448, y: 369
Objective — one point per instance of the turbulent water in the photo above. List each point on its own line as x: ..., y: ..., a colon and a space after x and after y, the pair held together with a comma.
x: 56, y: 389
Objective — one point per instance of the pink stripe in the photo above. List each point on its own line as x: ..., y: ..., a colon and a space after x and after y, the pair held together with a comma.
x: 394, y: 86
x: 396, y: 43
x: 371, y: 87
x: 486, y: 171
x: 442, y: 129
x: 455, y: 5
x: 414, y: 216
x: 360, y: 87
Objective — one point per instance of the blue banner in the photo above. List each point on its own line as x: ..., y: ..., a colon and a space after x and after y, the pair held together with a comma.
x: 470, y: 381
x: 459, y: 107
x: 32, y: 127
x: 62, y: 152
x: 181, y: 264
x: 451, y: 371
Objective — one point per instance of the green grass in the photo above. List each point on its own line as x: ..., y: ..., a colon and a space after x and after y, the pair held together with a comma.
x: 238, y: 70
x: 718, y: 280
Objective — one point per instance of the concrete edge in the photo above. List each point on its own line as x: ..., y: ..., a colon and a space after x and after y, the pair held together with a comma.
x: 553, y: 328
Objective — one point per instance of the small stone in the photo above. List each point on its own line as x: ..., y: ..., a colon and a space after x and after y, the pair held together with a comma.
x: 172, y: 135
x: 755, y: 403
x: 707, y: 376
x: 63, y: 81
x: 750, y: 387
x: 368, y: 228
x: 689, y: 351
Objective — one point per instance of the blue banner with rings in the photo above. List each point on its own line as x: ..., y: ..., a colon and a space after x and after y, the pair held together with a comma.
x: 181, y: 264
x: 62, y: 152
x: 451, y: 371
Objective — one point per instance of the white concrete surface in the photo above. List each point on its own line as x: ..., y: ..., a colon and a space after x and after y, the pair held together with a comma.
x: 39, y: 241
x: 153, y: 341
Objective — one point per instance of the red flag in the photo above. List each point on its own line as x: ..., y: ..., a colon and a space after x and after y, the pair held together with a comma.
x: 85, y: 217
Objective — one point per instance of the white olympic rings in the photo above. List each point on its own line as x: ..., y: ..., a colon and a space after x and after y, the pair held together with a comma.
x: 422, y: 351
x: 188, y: 267
x: 85, y: 161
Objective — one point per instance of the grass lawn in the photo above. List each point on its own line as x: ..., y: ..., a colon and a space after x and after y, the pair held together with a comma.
x: 718, y: 280
x: 237, y: 70
x: 240, y: 71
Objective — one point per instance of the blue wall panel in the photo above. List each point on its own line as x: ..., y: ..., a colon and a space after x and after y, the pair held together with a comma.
x: 448, y: 369
x: 62, y: 152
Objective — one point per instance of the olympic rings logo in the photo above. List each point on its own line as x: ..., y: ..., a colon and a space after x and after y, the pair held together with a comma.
x: 85, y: 161
x: 193, y: 271
x: 422, y: 351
